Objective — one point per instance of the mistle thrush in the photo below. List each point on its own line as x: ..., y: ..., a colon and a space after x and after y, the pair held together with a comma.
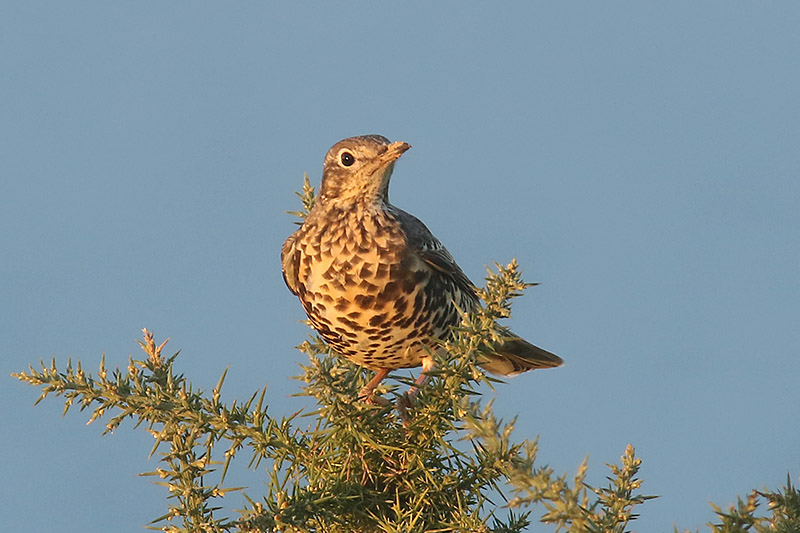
x: 373, y: 280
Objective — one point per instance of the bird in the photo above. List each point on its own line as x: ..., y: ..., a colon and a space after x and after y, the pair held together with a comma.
x: 375, y: 283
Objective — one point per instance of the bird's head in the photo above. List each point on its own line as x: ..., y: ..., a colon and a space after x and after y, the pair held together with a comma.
x: 358, y: 169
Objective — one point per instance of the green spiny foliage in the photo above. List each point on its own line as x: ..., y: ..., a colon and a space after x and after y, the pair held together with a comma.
x: 307, y: 196
x: 784, y: 512
x: 348, y: 466
x: 357, y: 468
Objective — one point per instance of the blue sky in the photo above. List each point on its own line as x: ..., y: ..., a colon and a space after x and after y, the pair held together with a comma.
x: 640, y: 160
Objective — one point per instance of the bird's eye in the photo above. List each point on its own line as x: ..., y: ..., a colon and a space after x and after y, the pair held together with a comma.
x: 347, y: 159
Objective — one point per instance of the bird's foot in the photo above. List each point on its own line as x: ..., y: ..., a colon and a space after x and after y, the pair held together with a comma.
x: 370, y: 398
x: 402, y: 405
x: 367, y: 394
x: 405, y: 401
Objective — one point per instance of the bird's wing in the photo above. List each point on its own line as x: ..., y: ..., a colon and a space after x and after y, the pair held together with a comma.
x: 428, y: 248
x: 290, y: 260
x: 441, y: 261
x: 513, y: 355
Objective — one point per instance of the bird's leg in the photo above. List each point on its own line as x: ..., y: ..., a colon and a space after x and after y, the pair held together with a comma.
x: 405, y: 401
x: 427, y: 366
x: 367, y: 394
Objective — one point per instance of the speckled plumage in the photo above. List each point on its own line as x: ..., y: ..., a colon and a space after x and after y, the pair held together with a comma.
x: 373, y: 280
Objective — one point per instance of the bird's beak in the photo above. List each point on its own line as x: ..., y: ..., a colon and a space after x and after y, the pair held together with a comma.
x: 386, y: 159
x: 394, y: 151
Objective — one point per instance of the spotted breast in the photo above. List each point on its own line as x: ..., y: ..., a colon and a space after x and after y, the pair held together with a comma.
x: 373, y: 280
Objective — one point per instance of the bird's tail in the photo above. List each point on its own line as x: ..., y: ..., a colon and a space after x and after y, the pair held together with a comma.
x: 516, y: 355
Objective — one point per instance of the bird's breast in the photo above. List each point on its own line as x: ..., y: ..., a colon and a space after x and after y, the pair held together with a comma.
x: 364, y: 291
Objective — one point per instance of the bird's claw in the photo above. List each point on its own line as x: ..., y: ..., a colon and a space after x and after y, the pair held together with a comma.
x: 402, y: 405
x: 373, y: 399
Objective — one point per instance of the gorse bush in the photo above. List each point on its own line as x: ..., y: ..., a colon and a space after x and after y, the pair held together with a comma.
x: 347, y: 466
